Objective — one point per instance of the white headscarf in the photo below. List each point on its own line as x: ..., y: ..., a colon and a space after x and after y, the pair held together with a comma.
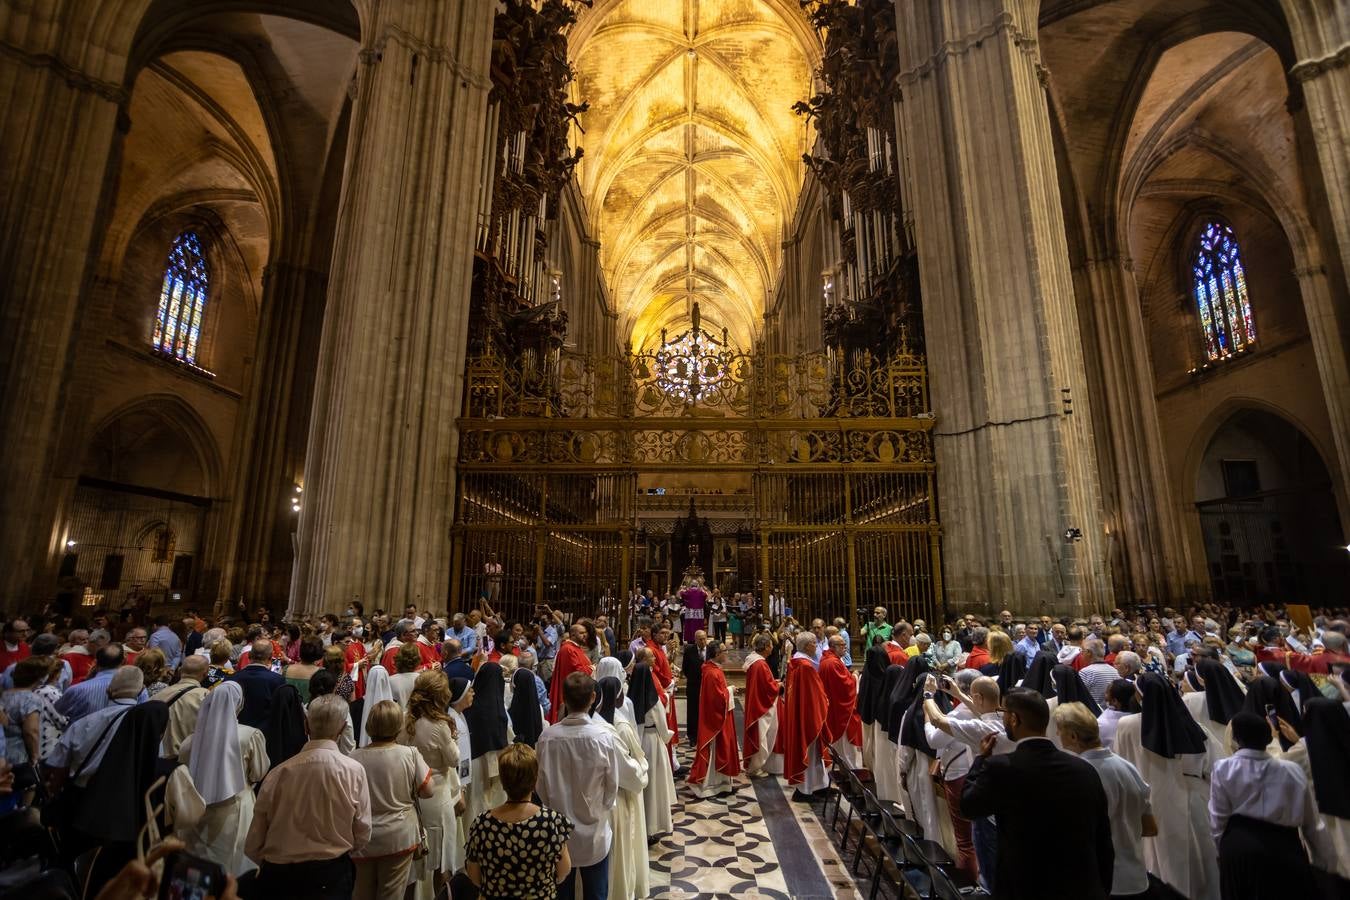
x: 216, y: 765
x: 610, y: 667
x: 377, y: 689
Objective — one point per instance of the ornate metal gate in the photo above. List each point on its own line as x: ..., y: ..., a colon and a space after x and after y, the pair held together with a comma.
x: 835, y: 454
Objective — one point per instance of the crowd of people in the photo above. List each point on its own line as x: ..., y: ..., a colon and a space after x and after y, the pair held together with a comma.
x: 1200, y: 753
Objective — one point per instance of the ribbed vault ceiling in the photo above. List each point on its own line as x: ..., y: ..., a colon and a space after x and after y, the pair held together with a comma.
x: 693, y: 154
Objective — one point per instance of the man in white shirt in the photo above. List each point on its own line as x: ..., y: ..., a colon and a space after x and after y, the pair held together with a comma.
x: 954, y: 758
x: 579, y: 762
x: 1127, y: 798
x: 984, y: 719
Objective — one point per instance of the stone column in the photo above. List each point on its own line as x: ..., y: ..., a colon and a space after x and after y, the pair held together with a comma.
x: 1144, y: 530
x: 1321, y: 34
x: 57, y: 132
x: 272, y: 462
x: 379, y: 471
x: 1004, y: 352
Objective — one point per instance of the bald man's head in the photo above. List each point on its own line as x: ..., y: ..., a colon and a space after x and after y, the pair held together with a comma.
x: 984, y: 691
x: 194, y: 667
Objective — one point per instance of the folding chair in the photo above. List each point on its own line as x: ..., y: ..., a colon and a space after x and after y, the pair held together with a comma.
x: 896, y: 844
x: 946, y: 889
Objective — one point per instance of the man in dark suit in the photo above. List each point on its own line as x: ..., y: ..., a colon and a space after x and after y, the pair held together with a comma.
x: 691, y: 667
x: 1074, y: 838
x: 259, y: 683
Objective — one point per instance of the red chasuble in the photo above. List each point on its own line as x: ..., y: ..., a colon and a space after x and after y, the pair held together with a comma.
x: 571, y: 658
x: 804, y: 718
x: 664, y: 676
x: 761, y: 693
x: 716, y: 725
x: 80, y: 664
x: 842, y: 691
x: 896, y: 653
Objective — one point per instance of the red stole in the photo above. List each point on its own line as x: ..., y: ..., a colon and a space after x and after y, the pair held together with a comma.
x: 896, y: 653
x: 842, y: 691
x: 804, y: 719
x: 664, y: 676
x: 571, y: 658
x: 761, y: 693
x: 716, y: 725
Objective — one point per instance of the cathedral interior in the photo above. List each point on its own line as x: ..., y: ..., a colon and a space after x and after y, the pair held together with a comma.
x: 1038, y: 304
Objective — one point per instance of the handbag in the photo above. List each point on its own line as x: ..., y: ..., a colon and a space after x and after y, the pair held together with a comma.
x: 421, y: 848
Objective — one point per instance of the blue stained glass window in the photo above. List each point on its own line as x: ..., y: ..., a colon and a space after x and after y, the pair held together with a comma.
x: 182, y: 299
x: 1220, y: 289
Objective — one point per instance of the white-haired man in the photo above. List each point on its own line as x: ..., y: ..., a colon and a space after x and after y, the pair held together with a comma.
x: 804, y: 711
x: 312, y: 814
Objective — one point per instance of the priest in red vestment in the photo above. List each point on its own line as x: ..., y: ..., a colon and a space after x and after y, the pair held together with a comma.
x: 843, y: 727
x: 718, y: 760
x: 805, y: 745
x: 762, y: 705
x: 665, y: 677
x: 571, y: 658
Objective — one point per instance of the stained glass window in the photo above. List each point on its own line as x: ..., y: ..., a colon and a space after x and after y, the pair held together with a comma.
x: 1220, y: 285
x: 182, y: 299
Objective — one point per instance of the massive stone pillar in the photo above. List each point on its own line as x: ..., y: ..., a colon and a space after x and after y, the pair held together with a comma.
x: 1321, y: 36
x: 379, y: 471
x: 58, y: 119
x: 272, y: 463
x: 1321, y: 33
x: 1015, y: 470
x: 1144, y: 539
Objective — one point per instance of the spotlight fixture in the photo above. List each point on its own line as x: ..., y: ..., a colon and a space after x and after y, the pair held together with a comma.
x: 72, y: 544
x: 1073, y: 535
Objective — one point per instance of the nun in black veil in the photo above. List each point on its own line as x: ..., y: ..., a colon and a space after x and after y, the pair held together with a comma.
x: 489, y: 733
x: 870, y: 686
x: 885, y: 775
x: 1326, y: 736
x: 1213, y: 696
x: 915, y: 757
x: 1266, y: 695
x: 1039, y: 676
x: 1173, y: 755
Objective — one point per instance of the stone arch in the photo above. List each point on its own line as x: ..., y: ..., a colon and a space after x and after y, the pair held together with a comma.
x: 177, y: 417
x: 1296, y: 502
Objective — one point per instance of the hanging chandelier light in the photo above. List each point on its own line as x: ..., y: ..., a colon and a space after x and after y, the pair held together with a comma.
x: 692, y: 364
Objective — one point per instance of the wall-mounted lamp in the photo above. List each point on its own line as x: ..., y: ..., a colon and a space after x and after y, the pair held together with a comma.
x: 295, y: 499
x: 70, y: 544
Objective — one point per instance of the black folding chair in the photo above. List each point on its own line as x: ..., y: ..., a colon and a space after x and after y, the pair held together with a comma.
x: 944, y: 888
x: 853, y: 793
x: 894, y: 843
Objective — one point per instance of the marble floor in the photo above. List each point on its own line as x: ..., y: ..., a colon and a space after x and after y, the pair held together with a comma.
x: 754, y: 843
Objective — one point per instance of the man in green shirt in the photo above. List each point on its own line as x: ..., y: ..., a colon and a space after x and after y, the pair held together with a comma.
x: 877, y: 629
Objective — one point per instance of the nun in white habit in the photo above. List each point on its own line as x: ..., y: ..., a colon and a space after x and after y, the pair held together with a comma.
x: 1174, y: 755
x: 611, y: 667
x: 378, y: 687
x: 659, y: 795
x: 1213, y: 696
x: 628, y: 855
x: 209, y: 800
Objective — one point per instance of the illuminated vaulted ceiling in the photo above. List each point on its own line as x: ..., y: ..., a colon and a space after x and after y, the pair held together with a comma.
x: 693, y: 154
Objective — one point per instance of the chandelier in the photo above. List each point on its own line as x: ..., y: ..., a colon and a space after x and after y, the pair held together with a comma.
x: 692, y: 364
